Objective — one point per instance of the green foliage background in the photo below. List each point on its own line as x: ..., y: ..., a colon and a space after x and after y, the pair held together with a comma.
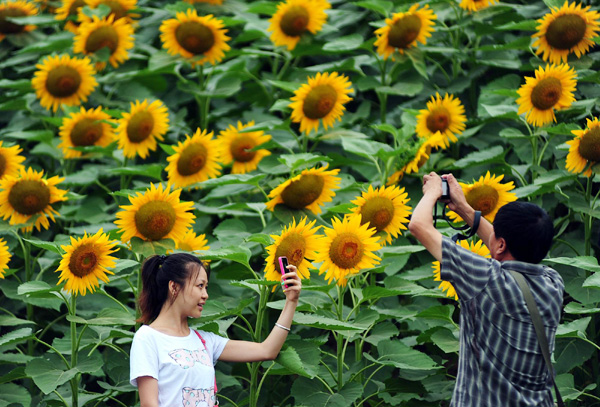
x: 391, y: 338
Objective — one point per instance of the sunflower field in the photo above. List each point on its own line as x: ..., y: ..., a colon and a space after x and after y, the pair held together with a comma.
x: 243, y: 131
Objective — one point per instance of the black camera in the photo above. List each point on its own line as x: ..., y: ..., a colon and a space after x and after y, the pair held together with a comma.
x: 445, y: 191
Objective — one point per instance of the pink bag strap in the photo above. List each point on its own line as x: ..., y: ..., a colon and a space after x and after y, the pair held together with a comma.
x: 204, y: 343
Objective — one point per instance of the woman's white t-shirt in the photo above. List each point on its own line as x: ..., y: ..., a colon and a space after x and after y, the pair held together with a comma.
x: 183, y: 367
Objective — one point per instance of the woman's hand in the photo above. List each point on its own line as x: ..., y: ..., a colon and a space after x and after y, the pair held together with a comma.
x: 293, y: 282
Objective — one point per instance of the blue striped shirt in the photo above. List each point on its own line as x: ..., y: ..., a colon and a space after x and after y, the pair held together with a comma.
x: 500, y: 362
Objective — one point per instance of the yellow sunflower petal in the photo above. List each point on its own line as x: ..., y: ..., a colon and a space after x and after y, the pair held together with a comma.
x: 85, y: 128
x: 191, y: 242
x: 294, y: 18
x: 297, y: 242
x: 155, y: 214
x: 476, y: 247
x: 237, y: 147
x: 70, y: 8
x: 139, y: 129
x: 347, y: 248
x: 15, y: 8
x: 566, y: 30
x: 486, y: 195
x: 476, y: 5
x: 87, y: 260
x: 10, y: 161
x: 5, y: 257
x: 196, y: 159
x: 443, y: 115
x: 584, y: 150
x: 64, y: 80
x: 119, y: 9
x: 322, y: 98
x: 200, y: 39
x: 30, y: 194
x: 310, y: 189
x: 97, y: 34
x: 551, y: 89
x: 405, y: 30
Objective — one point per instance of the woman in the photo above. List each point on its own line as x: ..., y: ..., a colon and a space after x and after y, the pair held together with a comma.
x: 173, y: 365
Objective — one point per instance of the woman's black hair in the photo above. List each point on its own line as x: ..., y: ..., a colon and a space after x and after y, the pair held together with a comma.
x: 157, y: 271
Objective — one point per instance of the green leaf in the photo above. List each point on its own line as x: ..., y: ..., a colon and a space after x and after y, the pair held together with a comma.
x: 161, y: 60
x: 9, y: 320
x: 230, y: 179
x: 13, y: 394
x: 317, y: 321
x: 401, y: 250
x: 445, y: 340
x: 570, y: 353
x: 574, y: 329
x: 262, y: 7
x: 487, y: 156
x: 108, y: 317
x: 577, y: 308
x: 303, y: 160
x: 150, y: 248
x: 395, y: 353
x: 35, y: 287
x: 373, y: 293
x: 381, y: 6
x: 346, y: 43
x: 149, y: 170
x: 239, y: 254
x: 16, y: 336
x: 44, y: 136
x: 401, y: 88
x: 443, y: 312
x: 365, y: 148
x: 46, y: 375
x: 290, y: 359
x: 288, y: 86
x: 261, y: 238
x: 592, y: 281
x: 588, y: 263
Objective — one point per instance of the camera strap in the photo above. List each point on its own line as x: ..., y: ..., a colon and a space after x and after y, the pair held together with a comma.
x: 459, y: 236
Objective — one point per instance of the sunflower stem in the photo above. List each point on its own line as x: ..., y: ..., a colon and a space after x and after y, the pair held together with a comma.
x: 340, y: 339
x: 74, y: 350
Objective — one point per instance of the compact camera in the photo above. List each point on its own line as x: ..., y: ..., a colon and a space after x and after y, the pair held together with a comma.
x: 445, y: 191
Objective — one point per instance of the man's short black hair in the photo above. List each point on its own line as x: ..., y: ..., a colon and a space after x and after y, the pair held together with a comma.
x: 527, y: 230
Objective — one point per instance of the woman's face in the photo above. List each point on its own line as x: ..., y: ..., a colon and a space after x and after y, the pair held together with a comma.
x: 194, y: 295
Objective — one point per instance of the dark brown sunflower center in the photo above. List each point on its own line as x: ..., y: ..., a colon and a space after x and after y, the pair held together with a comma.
x: 75, y: 6
x: 116, y: 9
x: 589, y: 145
x: 155, y: 219
x: 566, y: 31
x: 319, y: 102
x: 28, y: 197
x: 7, y: 27
x: 294, y: 21
x: 86, y: 132
x: 240, y: 149
x: 438, y: 119
x: 404, y: 31
x: 378, y: 211
x: 194, y: 37
x: 2, y: 165
x: 63, y: 81
x: 140, y: 126
x: 546, y: 93
x: 83, y: 260
x: 102, y: 37
x: 303, y: 192
x: 346, y: 250
x: 293, y: 247
x: 483, y: 198
x: 192, y: 159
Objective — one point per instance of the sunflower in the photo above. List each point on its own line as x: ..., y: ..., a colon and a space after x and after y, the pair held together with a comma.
x: 10, y: 161
x: 347, y: 248
x: 191, y: 36
x: 295, y: 17
x: 119, y: 9
x: 404, y: 30
x: 5, y: 257
x: 585, y: 149
x: 552, y: 88
x: 191, y: 242
x: 64, y: 80
x: 385, y: 209
x: 423, y: 154
x: 70, y: 8
x: 15, y: 8
x: 310, y: 189
x: 238, y: 147
x: 297, y: 242
x: 477, y: 248
x: 444, y: 115
x: 139, y: 129
x: 569, y: 29
x: 196, y: 159
x: 323, y: 97
x: 154, y: 215
x: 97, y: 33
x: 476, y: 5
x: 486, y: 195
x: 30, y: 194
x: 87, y: 260
x: 85, y: 128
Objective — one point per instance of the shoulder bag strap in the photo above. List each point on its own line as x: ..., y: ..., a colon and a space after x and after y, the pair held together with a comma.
x: 538, y: 326
x: 204, y: 343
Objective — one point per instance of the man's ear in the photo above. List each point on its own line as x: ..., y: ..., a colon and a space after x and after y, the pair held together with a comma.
x: 502, y: 248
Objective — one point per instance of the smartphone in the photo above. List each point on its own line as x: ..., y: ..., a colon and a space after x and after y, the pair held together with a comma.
x: 283, y: 263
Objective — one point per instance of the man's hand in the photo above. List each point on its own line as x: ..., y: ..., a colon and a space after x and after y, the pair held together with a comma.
x: 458, y: 203
x: 432, y: 185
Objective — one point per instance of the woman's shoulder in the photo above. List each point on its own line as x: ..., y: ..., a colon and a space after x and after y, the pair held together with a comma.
x: 144, y: 332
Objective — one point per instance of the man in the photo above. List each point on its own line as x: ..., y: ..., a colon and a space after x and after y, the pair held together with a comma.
x: 500, y: 361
